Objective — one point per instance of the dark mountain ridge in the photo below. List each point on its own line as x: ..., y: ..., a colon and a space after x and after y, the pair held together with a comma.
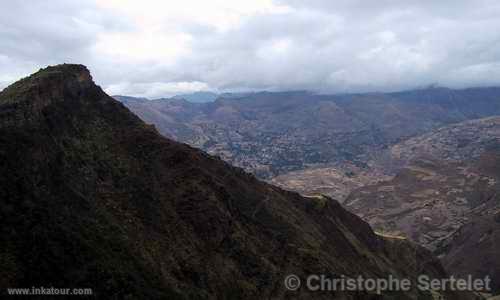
x: 93, y: 197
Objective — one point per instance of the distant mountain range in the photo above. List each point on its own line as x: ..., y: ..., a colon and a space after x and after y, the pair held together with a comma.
x: 195, y: 97
x: 198, y: 97
x: 271, y: 134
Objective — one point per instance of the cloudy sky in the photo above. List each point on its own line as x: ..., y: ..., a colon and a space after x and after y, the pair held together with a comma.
x: 157, y: 48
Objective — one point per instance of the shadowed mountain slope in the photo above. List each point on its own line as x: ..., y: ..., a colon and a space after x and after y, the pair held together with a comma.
x: 93, y: 197
x: 474, y: 249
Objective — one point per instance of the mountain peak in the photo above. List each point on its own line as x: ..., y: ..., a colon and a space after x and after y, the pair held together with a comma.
x: 52, y: 81
x: 79, y: 72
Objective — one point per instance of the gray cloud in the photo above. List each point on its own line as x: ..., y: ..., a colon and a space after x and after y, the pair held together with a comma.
x: 319, y: 45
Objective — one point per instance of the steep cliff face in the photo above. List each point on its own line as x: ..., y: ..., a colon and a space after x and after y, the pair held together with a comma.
x: 90, y: 196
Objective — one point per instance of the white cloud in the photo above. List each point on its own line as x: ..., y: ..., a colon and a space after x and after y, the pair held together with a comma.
x: 158, y: 47
x: 154, y: 90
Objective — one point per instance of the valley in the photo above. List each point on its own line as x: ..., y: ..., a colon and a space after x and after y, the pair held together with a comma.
x: 417, y: 164
x: 275, y: 135
x: 95, y: 197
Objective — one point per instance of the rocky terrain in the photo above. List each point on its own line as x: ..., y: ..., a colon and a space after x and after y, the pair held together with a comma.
x: 426, y: 201
x: 94, y: 197
x: 445, y: 198
x: 331, y: 181
x: 461, y: 142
